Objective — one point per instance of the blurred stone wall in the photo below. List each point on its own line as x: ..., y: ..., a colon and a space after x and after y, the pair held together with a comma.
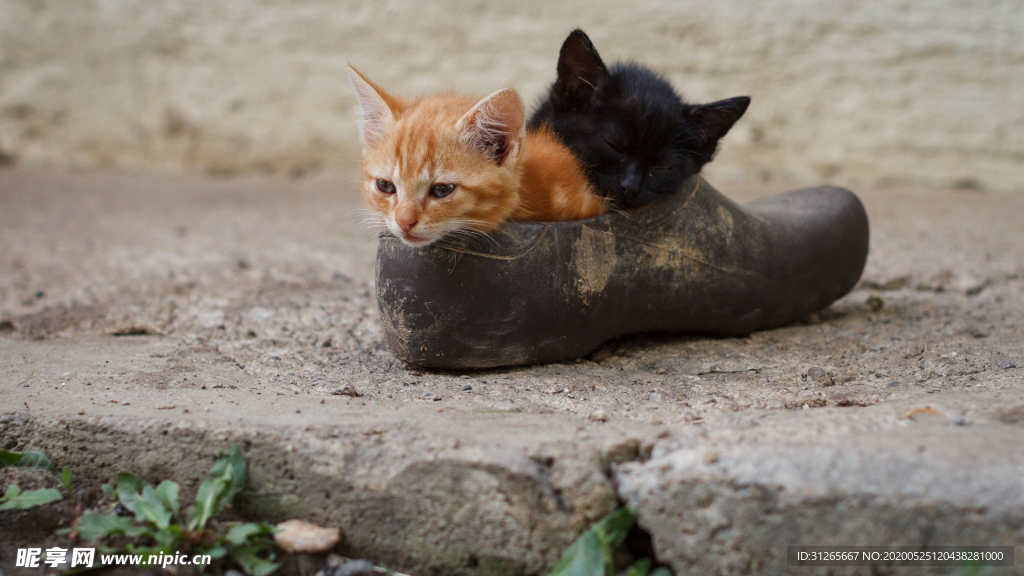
x: 856, y: 92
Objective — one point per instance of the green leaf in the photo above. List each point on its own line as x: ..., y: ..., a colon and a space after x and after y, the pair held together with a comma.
x: 640, y: 568
x: 149, y: 509
x: 237, y: 535
x: 240, y: 533
x: 231, y: 467
x: 109, y: 491
x: 208, y: 497
x: 167, y: 494
x: 169, y: 539
x: 227, y: 478
x: 253, y: 565
x: 8, y: 458
x: 94, y: 525
x: 585, y: 557
x: 24, y: 459
x: 662, y: 572
x: 129, y: 487
x: 613, y: 528
x: 65, y: 477
x: 35, y: 460
x: 19, y: 500
x: 12, y: 492
x: 216, y: 552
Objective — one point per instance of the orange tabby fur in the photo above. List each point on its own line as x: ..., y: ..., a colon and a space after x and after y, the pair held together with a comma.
x: 553, y: 186
x: 499, y: 171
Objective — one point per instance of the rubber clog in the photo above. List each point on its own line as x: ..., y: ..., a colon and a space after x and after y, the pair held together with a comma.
x: 693, y: 262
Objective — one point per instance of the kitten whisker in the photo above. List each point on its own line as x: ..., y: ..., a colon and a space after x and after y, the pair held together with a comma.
x: 368, y: 218
x: 464, y: 229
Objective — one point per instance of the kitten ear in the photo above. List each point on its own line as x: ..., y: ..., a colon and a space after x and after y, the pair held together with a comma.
x: 712, y: 121
x: 496, y: 125
x: 377, y: 108
x: 580, y: 70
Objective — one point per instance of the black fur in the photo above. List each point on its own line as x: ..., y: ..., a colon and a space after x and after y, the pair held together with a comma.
x: 634, y: 135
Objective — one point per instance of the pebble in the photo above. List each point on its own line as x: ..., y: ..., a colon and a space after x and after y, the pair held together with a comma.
x: 437, y: 398
x: 875, y: 303
x: 296, y: 536
x: 820, y: 376
x: 425, y: 394
x: 346, y: 391
x: 467, y: 388
x: 599, y: 416
x: 1007, y: 367
x: 655, y: 397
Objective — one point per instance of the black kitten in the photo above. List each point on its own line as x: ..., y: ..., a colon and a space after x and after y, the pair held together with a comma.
x: 634, y: 135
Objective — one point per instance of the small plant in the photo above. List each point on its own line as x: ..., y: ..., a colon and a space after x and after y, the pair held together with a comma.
x: 160, y: 526
x: 594, y: 552
x: 25, y: 460
x: 16, y: 499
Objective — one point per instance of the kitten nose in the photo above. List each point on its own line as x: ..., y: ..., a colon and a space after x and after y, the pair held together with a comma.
x: 406, y: 224
x: 631, y: 181
x: 407, y: 215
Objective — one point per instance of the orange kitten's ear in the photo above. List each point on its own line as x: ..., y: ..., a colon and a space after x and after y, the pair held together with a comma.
x: 496, y: 125
x: 377, y: 107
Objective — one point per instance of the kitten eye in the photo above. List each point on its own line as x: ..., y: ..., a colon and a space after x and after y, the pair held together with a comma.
x: 622, y: 157
x: 385, y: 186
x: 442, y: 190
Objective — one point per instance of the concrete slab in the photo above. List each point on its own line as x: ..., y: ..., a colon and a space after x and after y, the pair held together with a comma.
x: 148, y: 321
x: 729, y: 497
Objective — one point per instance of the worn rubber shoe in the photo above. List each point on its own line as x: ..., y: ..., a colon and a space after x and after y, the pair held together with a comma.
x: 690, y: 263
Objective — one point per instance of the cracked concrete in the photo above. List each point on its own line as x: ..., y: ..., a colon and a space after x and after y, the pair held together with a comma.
x: 147, y: 321
x: 730, y: 498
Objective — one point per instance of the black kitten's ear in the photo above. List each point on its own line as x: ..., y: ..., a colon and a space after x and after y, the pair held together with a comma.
x: 580, y: 70
x: 713, y: 120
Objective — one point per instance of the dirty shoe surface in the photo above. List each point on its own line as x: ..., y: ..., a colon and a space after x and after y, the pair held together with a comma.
x: 693, y: 262
x: 147, y: 322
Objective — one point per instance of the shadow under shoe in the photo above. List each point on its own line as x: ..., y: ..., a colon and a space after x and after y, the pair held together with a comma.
x: 694, y: 262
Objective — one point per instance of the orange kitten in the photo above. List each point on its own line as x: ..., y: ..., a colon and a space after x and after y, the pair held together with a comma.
x: 448, y: 164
